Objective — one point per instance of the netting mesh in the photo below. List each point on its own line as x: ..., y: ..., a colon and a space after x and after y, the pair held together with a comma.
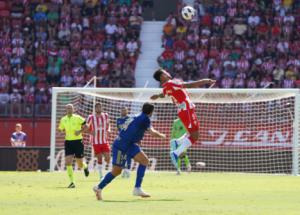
x: 239, y: 132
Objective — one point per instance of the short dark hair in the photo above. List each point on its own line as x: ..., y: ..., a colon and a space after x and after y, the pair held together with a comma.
x: 98, y: 103
x: 157, y: 74
x: 148, y: 108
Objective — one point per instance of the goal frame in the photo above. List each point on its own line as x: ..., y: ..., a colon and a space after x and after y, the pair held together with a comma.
x: 202, y: 91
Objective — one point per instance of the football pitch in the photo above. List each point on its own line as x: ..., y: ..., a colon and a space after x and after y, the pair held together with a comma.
x: 188, y: 194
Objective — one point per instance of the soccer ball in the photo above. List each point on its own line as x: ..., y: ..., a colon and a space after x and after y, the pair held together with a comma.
x: 200, y: 164
x: 188, y: 12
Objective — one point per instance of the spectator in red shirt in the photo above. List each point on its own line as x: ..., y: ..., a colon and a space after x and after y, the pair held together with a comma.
x: 40, y: 61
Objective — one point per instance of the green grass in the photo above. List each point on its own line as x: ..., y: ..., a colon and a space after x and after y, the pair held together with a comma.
x: 188, y: 194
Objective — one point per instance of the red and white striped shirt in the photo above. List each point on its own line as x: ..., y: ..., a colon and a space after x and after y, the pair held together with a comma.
x: 239, y: 83
x: 179, y: 55
x: 216, y: 72
x: 4, y: 81
x: 231, y: 11
x: 224, y: 54
x: 251, y: 84
x: 99, y: 124
x: 294, y: 62
x: 226, y: 83
x: 219, y: 20
x: 260, y: 48
x: 243, y: 64
x: 19, y: 51
x: 248, y: 54
x: 268, y: 66
x: 201, y: 55
x: 7, y: 51
x: 287, y: 83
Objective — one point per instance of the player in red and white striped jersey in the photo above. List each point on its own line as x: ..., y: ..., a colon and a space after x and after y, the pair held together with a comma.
x: 176, y: 89
x: 99, y: 128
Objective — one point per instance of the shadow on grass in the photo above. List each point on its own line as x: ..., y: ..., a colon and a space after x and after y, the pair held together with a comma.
x: 62, y: 188
x: 119, y: 201
x: 145, y: 199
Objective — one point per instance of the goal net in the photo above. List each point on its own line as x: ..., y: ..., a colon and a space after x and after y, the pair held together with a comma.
x: 241, y: 130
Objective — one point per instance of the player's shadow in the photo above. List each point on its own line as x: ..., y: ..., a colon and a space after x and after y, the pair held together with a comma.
x: 118, y: 201
x: 148, y: 200
x: 64, y: 188
x: 162, y: 200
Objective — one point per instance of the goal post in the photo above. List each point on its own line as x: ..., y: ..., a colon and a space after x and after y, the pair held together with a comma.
x: 296, y: 128
x: 53, y: 129
x: 241, y: 130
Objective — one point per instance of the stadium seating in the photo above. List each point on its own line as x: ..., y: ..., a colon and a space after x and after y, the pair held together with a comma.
x: 64, y: 43
x: 240, y: 43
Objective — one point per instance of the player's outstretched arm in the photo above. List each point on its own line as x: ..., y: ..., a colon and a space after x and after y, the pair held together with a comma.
x: 156, y: 96
x: 199, y: 83
x: 156, y: 133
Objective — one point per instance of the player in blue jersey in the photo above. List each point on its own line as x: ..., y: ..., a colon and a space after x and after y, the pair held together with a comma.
x: 120, y: 123
x: 132, y: 132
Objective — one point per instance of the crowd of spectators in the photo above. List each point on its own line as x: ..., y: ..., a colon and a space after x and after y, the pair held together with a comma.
x: 48, y: 43
x: 240, y: 43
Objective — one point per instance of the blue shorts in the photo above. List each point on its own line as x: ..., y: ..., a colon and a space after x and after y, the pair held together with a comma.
x: 119, y: 156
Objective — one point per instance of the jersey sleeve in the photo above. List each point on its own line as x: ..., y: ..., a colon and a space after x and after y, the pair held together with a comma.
x: 108, y: 122
x: 89, y: 120
x: 25, y: 137
x: 171, y: 86
x: 61, y: 125
x: 13, y: 137
x: 81, y: 120
x: 147, y: 123
x: 165, y: 89
x: 176, y: 84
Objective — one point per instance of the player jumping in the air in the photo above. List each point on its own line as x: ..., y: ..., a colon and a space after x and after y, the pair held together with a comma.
x: 186, y: 109
x: 120, y: 124
x: 99, y: 127
x: 178, y: 130
x: 125, y: 144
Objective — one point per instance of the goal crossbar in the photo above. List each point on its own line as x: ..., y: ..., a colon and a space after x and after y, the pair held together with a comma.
x: 158, y: 90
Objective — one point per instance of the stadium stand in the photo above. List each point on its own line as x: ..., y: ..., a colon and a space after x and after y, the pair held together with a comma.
x: 241, y: 43
x: 64, y: 43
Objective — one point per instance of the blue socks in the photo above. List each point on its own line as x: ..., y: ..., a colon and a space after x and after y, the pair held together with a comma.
x: 140, y: 175
x: 128, y: 162
x: 106, y: 180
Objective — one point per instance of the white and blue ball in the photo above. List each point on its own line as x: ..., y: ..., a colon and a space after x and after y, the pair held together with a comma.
x: 188, y: 13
